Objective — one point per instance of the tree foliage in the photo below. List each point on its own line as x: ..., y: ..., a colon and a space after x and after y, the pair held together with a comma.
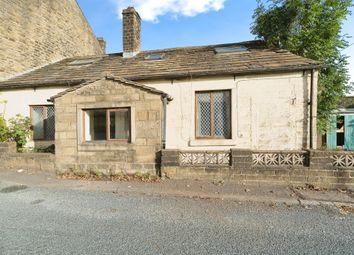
x: 4, y: 132
x: 312, y: 29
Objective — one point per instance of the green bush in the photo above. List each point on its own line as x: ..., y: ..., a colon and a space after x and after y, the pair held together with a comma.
x: 19, y: 130
x: 4, y: 131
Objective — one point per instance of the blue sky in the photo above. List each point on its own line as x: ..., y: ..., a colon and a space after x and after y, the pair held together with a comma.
x: 174, y: 23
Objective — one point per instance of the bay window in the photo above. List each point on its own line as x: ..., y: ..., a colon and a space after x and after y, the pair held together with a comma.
x: 107, y: 124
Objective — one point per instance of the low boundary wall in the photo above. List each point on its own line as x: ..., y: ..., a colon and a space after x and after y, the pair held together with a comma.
x: 333, y: 169
x: 322, y: 168
x: 10, y: 159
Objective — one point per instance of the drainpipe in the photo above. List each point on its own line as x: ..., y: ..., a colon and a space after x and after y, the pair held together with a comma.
x: 164, y: 102
x: 311, y: 108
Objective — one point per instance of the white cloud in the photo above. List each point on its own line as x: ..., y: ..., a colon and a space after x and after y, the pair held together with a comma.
x: 150, y: 10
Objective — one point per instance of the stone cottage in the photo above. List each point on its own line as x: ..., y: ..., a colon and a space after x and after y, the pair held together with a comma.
x: 119, y: 112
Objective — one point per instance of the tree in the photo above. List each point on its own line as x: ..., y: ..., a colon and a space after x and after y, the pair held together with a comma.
x: 312, y: 29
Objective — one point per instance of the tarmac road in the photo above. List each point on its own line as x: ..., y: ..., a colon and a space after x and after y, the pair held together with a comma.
x: 60, y: 221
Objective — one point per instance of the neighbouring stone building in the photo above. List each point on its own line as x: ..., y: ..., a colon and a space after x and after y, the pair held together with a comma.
x: 34, y: 33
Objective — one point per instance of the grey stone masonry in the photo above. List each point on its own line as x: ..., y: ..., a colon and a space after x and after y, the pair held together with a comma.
x: 241, y: 159
x: 34, y: 33
x: 141, y: 154
x: 7, y: 148
x: 131, y: 32
x: 10, y: 159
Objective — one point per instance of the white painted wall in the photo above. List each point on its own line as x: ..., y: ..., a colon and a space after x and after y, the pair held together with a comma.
x: 18, y: 101
x: 269, y: 112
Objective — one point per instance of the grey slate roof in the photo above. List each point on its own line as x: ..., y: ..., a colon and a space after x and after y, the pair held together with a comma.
x: 347, y: 102
x: 176, y: 63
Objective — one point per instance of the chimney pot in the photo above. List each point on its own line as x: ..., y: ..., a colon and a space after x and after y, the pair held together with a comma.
x: 131, y: 32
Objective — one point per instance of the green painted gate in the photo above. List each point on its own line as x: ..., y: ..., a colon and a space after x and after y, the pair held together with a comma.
x: 332, y: 133
x: 349, y: 132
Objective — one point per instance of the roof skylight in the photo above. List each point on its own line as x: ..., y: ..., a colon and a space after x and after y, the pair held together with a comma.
x: 154, y: 57
x: 234, y: 49
x: 82, y: 62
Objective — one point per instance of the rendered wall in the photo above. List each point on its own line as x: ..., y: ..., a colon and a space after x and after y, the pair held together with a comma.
x: 269, y: 112
x: 37, y: 32
x: 19, y: 101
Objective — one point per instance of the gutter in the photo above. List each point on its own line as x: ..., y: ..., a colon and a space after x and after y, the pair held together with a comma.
x: 201, y: 74
x: 60, y: 83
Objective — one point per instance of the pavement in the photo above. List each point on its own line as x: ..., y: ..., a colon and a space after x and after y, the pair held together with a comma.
x: 40, y: 214
x: 261, y: 192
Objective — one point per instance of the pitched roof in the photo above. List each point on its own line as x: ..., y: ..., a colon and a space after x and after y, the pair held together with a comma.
x: 117, y: 79
x: 165, y: 64
x: 347, y: 102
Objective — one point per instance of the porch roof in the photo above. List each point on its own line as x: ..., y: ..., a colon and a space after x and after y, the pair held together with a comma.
x: 117, y: 79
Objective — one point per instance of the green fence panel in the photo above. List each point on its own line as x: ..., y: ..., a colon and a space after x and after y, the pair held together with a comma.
x: 332, y: 133
x: 349, y: 132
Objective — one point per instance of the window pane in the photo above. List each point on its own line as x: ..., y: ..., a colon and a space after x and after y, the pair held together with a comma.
x: 95, y: 125
x: 119, y: 124
x: 222, y: 113
x: 203, y: 117
x: 50, y: 123
x: 38, y: 122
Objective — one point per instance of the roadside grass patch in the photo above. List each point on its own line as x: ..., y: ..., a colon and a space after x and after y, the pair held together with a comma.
x: 345, y: 210
x: 96, y: 175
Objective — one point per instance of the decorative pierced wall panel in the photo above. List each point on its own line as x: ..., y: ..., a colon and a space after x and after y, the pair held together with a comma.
x: 278, y: 159
x: 343, y: 160
x: 204, y: 158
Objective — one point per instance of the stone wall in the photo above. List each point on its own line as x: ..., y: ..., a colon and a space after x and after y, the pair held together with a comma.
x: 108, y: 157
x: 131, y: 32
x: 35, y: 33
x: 6, y: 148
x: 323, y: 168
x: 11, y: 160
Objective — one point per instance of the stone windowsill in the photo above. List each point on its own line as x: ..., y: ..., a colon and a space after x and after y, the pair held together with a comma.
x: 212, y: 142
x: 103, y: 145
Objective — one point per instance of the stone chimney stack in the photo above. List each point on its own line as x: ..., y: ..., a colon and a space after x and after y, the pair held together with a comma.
x: 102, y: 43
x: 131, y: 32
